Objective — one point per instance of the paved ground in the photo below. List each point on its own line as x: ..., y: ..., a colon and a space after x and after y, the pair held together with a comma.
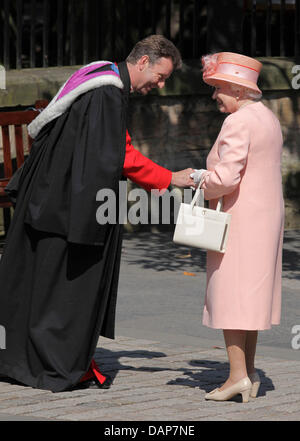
x: 155, y: 381
x: 163, y: 361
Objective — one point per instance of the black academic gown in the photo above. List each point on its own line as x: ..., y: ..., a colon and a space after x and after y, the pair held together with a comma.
x: 60, y: 268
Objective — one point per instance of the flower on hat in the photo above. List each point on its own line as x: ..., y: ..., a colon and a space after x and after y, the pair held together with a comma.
x: 209, y: 63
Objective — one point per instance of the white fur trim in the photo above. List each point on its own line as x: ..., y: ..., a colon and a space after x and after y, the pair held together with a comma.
x: 57, y: 108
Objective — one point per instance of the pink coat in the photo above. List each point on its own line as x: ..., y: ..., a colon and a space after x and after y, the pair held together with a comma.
x: 244, y: 166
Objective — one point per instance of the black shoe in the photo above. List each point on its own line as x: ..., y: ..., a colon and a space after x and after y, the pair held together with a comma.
x: 94, y: 384
x: 106, y: 385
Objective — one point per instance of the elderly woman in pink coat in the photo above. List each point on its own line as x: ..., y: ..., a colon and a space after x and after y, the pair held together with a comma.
x: 244, y: 168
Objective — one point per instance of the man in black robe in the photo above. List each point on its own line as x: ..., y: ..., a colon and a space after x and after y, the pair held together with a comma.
x: 60, y: 267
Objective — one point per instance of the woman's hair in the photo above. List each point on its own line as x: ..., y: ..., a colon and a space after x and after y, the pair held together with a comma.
x: 246, y: 93
x: 155, y: 46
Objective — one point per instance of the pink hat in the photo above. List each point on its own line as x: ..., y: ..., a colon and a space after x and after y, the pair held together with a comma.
x: 231, y: 68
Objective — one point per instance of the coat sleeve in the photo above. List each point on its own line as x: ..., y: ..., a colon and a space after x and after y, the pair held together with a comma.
x: 233, y: 148
x: 143, y: 171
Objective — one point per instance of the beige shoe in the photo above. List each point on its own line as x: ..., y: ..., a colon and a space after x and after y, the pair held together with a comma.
x: 242, y: 387
x: 255, y: 380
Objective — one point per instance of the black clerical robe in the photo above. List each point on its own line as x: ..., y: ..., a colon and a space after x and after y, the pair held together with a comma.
x: 59, y: 270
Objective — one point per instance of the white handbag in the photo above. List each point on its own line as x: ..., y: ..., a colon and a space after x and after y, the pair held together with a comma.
x: 202, y: 227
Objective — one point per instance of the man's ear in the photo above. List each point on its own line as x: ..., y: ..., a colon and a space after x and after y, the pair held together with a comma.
x: 143, y: 63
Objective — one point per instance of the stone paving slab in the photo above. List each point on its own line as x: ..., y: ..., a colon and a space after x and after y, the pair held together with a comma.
x: 155, y: 379
x: 160, y: 382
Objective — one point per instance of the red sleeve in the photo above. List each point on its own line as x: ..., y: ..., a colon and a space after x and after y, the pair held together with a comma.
x: 143, y: 171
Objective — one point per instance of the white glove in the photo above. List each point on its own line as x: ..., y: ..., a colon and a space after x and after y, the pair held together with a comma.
x: 197, y: 175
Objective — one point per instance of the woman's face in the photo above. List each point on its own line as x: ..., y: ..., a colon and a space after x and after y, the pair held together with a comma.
x: 226, y: 98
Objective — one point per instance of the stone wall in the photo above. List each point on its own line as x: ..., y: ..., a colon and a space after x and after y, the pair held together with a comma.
x: 178, y: 132
x: 176, y: 126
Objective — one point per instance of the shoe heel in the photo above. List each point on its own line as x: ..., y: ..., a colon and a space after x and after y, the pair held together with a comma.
x: 254, y: 390
x: 245, y: 395
x: 255, y: 380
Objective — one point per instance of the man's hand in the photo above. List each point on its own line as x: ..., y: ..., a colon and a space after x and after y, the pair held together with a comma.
x: 182, y: 178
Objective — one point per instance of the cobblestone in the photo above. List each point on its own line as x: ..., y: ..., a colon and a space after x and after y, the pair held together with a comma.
x: 169, y: 388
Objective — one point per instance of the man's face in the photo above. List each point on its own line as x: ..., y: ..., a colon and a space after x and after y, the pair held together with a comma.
x: 150, y: 76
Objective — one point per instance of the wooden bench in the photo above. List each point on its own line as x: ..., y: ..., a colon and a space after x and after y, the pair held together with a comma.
x: 15, y: 144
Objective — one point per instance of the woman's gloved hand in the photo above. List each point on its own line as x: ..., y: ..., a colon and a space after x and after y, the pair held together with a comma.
x: 197, y: 175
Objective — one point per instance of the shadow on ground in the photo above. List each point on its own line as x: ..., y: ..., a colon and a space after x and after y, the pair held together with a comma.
x: 213, y: 374
x: 203, y: 374
x: 158, y: 252
x: 291, y: 255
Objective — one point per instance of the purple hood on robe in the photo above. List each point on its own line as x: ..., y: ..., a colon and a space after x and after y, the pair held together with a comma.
x: 91, y: 76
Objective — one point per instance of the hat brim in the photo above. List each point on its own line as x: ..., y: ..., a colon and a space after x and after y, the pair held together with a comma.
x: 214, y: 79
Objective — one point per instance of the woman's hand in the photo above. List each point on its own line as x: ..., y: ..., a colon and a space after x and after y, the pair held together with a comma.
x: 197, y: 175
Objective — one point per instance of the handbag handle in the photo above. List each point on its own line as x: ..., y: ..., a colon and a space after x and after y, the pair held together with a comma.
x: 200, y: 192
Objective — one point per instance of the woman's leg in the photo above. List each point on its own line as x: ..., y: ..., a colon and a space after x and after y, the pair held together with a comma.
x: 235, y: 341
x: 250, y: 349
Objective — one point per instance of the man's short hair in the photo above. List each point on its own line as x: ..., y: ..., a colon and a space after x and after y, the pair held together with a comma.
x: 155, y: 46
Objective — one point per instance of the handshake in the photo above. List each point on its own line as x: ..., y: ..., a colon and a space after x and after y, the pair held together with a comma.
x: 187, y: 178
